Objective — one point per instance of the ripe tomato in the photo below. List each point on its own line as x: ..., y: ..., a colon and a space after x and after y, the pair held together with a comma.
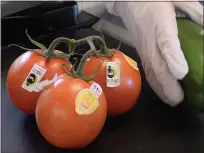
x: 68, y: 114
x: 22, y: 98
x: 122, y: 98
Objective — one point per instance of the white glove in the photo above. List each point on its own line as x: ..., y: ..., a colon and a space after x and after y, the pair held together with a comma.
x: 154, y: 33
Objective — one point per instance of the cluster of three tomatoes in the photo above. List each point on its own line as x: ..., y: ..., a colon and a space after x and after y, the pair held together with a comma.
x: 65, y: 114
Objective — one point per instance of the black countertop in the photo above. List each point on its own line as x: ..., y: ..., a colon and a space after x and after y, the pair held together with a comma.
x: 150, y: 127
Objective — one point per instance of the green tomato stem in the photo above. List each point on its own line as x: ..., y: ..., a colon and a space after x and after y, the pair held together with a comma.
x: 45, y: 53
x: 72, y: 45
x: 28, y: 49
x: 79, y: 73
x: 90, y: 77
x: 80, y: 69
x: 50, y: 51
x: 41, y: 46
x: 93, y: 52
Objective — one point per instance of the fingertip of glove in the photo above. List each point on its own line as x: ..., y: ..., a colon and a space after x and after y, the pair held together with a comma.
x: 176, y: 101
x: 180, y: 75
x: 175, y: 96
x: 174, y: 104
x: 179, y: 71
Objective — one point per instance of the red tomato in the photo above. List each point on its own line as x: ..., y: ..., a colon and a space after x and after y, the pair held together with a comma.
x: 23, y: 99
x: 68, y: 115
x: 122, y: 98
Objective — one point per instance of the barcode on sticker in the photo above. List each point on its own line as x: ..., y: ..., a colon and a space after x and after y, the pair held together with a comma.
x: 34, y: 76
x: 96, y: 88
x: 112, y: 74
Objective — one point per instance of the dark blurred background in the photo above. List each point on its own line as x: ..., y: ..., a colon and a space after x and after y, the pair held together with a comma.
x: 40, y: 18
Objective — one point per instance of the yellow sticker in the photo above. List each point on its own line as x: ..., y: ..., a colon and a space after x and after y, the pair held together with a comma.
x: 86, y: 102
x: 131, y: 62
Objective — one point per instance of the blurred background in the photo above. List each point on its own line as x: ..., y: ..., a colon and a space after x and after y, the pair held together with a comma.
x: 41, y: 18
x: 47, y: 17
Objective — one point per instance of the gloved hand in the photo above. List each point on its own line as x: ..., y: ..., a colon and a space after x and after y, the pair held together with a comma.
x: 154, y: 33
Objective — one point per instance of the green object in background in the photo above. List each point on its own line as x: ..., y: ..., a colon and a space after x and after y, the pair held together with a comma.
x: 191, y: 40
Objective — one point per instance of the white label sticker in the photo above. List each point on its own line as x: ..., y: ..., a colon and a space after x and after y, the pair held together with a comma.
x: 41, y: 85
x: 34, y: 76
x: 96, y: 88
x: 112, y: 74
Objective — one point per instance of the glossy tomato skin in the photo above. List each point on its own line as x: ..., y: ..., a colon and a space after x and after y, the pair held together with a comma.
x: 57, y: 119
x: 122, y: 98
x: 19, y: 70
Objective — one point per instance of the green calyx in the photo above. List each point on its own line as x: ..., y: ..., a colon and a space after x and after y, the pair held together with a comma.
x: 47, y: 53
x: 103, y: 52
x: 79, y: 73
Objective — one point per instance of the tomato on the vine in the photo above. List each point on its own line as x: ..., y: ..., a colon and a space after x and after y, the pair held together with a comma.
x: 33, y: 70
x: 25, y: 73
x: 69, y: 113
x: 123, y: 96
